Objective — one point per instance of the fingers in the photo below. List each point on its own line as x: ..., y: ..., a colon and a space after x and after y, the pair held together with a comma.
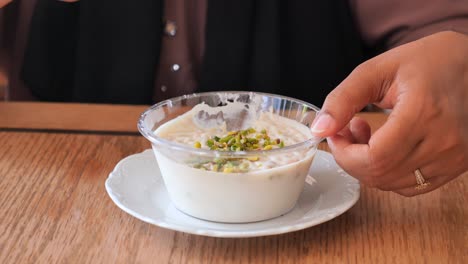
x: 360, y: 129
x: 423, y: 131
x: 366, y: 84
x: 403, y: 180
x: 386, y: 149
x: 404, y: 183
x: 388, y: 159
x: 396, y: 140
x: 434, y: 183
x: 353, y: 158
x: 435, y: 166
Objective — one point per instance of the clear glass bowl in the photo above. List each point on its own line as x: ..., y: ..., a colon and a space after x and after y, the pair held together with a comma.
x: 232, y: 197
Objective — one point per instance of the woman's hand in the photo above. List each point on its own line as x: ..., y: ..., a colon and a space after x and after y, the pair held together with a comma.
x: 426, y: 84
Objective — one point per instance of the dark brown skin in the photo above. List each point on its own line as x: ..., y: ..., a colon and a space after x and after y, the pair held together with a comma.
x: 425, y: 82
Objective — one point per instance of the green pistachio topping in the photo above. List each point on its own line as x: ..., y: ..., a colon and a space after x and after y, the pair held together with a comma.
x: 231, y: 165
x: 244, y: 140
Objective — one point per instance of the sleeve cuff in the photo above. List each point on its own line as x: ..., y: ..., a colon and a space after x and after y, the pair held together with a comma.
x: 459, y: 24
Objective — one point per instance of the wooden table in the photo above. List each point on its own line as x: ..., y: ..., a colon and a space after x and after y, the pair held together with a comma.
x: 54, y: 159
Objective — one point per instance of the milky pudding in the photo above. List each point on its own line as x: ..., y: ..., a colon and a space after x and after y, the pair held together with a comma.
x: 244, y: 165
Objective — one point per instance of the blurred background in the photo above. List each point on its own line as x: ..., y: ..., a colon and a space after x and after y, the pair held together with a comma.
x: 14, y: 23
x: 381, y: 25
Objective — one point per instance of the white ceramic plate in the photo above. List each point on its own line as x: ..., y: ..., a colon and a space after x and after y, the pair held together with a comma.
x: 136, y: 187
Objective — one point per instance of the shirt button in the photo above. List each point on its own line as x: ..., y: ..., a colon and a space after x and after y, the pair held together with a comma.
x: 170, y: 28
x: 163, y: 88
x: 175, y: 67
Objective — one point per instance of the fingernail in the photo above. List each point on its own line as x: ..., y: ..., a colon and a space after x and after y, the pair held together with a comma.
x: 322, y: 123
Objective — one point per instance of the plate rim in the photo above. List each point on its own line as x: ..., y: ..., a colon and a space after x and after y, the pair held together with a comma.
x: 225, y: 233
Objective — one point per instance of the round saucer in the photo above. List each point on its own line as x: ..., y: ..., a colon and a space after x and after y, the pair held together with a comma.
x: 136, y: 187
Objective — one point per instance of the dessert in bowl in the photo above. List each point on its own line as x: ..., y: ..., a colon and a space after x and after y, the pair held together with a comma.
x: 232, y: 157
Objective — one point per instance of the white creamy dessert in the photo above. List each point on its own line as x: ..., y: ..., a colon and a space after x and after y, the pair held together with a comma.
x: 264, y: 184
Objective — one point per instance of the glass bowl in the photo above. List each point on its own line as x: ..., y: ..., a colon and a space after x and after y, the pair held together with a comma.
x: 233, y: 197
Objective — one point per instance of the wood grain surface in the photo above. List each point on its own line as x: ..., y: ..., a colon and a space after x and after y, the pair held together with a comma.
x: 88, y: 117
x: 54, y: 209
x: 70, y: 116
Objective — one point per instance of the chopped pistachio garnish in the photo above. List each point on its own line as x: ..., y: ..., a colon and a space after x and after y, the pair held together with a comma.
x: 256, y: 158
x: 244, y: 140
x: 268, y: 147
x: 230, y: 165
x: 228, y: 170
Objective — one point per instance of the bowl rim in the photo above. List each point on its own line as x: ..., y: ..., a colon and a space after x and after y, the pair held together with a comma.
x: 148, y: 132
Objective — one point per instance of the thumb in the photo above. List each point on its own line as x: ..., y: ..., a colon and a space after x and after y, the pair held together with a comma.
x: 361, y: 87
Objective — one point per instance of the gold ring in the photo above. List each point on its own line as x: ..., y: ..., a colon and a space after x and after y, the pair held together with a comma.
x: 422, y: 183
